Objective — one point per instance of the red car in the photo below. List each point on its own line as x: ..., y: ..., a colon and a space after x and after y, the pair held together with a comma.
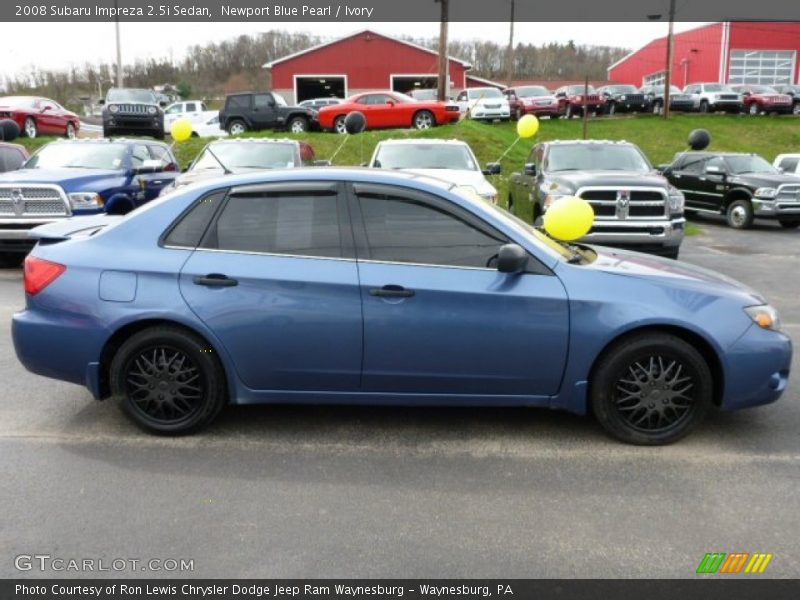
x: 389, y: 109
x: 572, y: 100
x: 532, y: 100
x: 12, y: 156
x: 39, y: 116
x: 758, y: 99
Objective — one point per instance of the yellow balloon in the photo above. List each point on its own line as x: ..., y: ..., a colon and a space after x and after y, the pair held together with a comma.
x: 527, y: 126
x: 181, y: 130
x: 569, y: 218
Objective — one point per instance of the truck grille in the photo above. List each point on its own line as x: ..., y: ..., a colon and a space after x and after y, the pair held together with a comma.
x: 728, y: 97
x: 634, y: 98
x: 788, y: 198
x: 133, y: 109
x: 617, y: 204
x: 33, y: 201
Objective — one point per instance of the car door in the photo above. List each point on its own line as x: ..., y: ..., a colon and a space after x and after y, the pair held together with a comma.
x: 263, y: 112
x: 439, y: 318
x: 689, y: 177
x: 276, y: 282
x: 47, y: 119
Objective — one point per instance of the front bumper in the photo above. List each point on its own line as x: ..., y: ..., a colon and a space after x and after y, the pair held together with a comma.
x: 654, y: 234
x: 14, y: 233
x: 776, y: 209
x: 726, y: 105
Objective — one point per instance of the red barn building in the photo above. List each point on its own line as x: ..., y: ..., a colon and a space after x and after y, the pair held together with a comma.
x: 730, y: 52
x: 361, y: 62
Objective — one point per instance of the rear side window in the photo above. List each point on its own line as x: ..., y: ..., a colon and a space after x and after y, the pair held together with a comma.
x: 789, y: 164
x: 238, y: 102
x: 190, y: 227
x: 296, y: 223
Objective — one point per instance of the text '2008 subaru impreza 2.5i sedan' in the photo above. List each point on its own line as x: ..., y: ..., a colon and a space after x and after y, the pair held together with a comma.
x: 361, y: 286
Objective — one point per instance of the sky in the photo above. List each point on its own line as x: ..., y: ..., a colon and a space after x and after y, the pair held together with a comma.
x: 94, y: 42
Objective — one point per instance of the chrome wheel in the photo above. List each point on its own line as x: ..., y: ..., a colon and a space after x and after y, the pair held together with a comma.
x: 738, y: 216
x: 796, y: 108
x: 298, y: 126
x: 339, y: 125
x: 237, y: 128
x: 423, y: 120
x: 30, y: 128
x: 655, y: 395
x: 70, y: 131
x: 754, y: 109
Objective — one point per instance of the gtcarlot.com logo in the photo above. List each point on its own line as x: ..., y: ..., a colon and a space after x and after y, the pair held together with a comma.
x: 734, y: 563
x: 47, y: 562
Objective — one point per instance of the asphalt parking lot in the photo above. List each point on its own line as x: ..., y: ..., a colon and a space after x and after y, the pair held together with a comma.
x: 282, y: 491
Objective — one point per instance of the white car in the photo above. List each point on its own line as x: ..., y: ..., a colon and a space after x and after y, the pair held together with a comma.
x: 485, y: 103
x: 450, y: 160
x: 190, y: 109
x: 208, y: 126
x: 714, y: 97
x: 788, y: 163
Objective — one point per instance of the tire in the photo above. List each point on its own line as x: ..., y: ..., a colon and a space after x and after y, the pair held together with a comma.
x: 339, y: 125
x: 237, y: 127
x: 70, y: 132
x: 168, y: 381
x: 740, y: 214
x: 651, y: 389
x: 569, y: 113
x: 753, y: 109
x: 796, y: 108
x: 424, y: 119
x: 704, y: 108
x: 29, y: 128
x: 106, y: 133
x: 298, y: 125
x: 789, y: 224
x: 612, y: 109
x: 657, y: 107
x: 518, y: 114
x: 672, y: 253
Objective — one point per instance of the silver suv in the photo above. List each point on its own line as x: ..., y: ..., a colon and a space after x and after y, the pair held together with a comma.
x: 713, y: 97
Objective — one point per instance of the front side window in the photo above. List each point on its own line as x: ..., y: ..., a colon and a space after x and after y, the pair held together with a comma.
x: 262, y: 101
x: 749, y: 164
x: 295, y: 223
x: 408, y: 230
x: 139, y: 154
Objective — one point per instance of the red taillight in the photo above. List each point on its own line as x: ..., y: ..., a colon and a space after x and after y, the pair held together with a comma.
x: 40, y: 273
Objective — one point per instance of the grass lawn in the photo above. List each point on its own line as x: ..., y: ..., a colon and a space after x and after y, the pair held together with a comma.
x: 659, y: 139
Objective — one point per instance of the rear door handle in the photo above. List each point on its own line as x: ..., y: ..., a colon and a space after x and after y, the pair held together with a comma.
x: 215, y: 280
x: 391, y: 291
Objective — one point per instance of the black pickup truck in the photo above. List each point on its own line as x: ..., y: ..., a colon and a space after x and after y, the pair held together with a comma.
x: 624, y: 98
x: 634, y: 205
x: 263, y: 110
x: 740, y: 186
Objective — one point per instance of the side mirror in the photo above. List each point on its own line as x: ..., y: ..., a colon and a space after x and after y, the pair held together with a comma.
x: 511, y: 258
x: 162, y: 104
x: 390, y: 102
x: 321, y: 163
x: 493, y: 168
x: 150, y: 166
x: 530, y: 169
x: 745, y: 93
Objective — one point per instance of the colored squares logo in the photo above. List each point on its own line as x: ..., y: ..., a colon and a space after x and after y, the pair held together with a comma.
x: 734, y: 563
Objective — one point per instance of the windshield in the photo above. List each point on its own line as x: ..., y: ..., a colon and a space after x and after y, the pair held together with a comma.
x: 78, y: 156
x: 623, y: 89
x: 579, y: 89
x: 532, y: 90
x: 128, y: 95
x: 485, y: 93
x: 762, y: 89
x: 595, y: 157
x: 718, y: 87
x: 425, y: 156
x: 20, y: 101
x: 279, y: 100
x: 246, y: 156
x: 748, y: 164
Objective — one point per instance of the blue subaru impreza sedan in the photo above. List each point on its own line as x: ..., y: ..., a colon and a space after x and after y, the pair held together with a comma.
x: 361, y: 286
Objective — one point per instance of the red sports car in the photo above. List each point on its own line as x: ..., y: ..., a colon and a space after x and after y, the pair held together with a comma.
x: 389, y: 109
x: 39, y: 116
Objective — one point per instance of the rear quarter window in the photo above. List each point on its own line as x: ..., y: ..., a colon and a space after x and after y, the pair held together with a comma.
x: 188, y: 229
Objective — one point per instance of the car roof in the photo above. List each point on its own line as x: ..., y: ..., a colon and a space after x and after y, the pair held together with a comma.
x: 256, y: 140
x: 109, y: 141
x: 588, y: 142
x: 432, y: 141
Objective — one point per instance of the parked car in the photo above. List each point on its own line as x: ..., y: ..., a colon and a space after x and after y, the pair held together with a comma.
x: 574, y: 99
x: 12, y: 156
x: 369, y: 286
x: 388, y: 109
x: 623, y: 98
x: 255, y: 111
x: 532, y: 100
x: 678, y: 101
x: 794, y: 92
x: 788, y: 163
x: 132, y: 111
x: 484, y: 104
x: 243, y: 155
x: 208, y: 126
x: 450, y: 160
x: 193, y: 110
x: 424, y: 94
x: 79, y: 178
x: 740, y: 186
x: 317, y: 103
x: 714, y: 97
x: 763, y: 99
x: 634, y: 205
x: 39, y: 116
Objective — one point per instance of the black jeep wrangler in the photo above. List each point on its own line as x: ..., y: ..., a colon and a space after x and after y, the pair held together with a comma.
x: 263, y: 110
x: 131, y: 111
x: 740, y: 186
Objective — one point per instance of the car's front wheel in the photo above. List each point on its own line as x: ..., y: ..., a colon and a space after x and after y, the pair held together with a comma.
x: 651, y: 389
x: 740, y: 214
x: 754, y: 109
x: 339, y: 125
x: 298, y: 125
x: 237, y: 127
x: 30, y: 128
x: 70, y: 133
x: 169, y: 381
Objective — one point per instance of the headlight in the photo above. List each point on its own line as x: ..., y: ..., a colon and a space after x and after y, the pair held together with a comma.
x: 549, y: 199
x: 85, y: 200
x: 113, y: 108
x: 766, y: 192
x: 676, y: 200
x: 152, y: 110
x: 764, y: 316
x: 623, y: 97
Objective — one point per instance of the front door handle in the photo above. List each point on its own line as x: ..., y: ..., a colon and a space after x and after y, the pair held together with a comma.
x: 391, y: 291
x: 215, y: 280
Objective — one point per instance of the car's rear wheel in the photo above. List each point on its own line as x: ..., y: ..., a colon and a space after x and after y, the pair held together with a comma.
x: 70, y: 133
x: 30, y: 128
x: 237, y: 127
x: 169, y: 380
x: 796, y: 108
x: 704, y: 108
x: 518, y: 114
x: 740, y: 214
x: 424, y: 119
x: 657, y: 107
x: 789, y: 224
x: 651, y: 389
x: 339, y: 125
x: 298, y: 125
x: 612, y: 109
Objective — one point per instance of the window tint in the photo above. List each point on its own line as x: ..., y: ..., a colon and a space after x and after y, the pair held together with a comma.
x: 240, y: 102
x: 789, y: 164
x: 191, y: 107
x: 188, y: 230
x: 299, y: 223
x: 10, y: 159
x: 161, y: 153
x: 174, y: 110
x: 139, y: 155
x: 407, y: 230
x: 262, y: 100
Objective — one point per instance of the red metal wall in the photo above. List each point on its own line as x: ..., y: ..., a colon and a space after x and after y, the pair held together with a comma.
x: 367, y: 59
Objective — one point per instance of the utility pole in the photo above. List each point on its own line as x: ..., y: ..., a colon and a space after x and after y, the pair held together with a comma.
x: 668, y: 72
x: 586, y: 108
x: 510, y: 54
x: 444, y: 63
x: 119, y: 47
